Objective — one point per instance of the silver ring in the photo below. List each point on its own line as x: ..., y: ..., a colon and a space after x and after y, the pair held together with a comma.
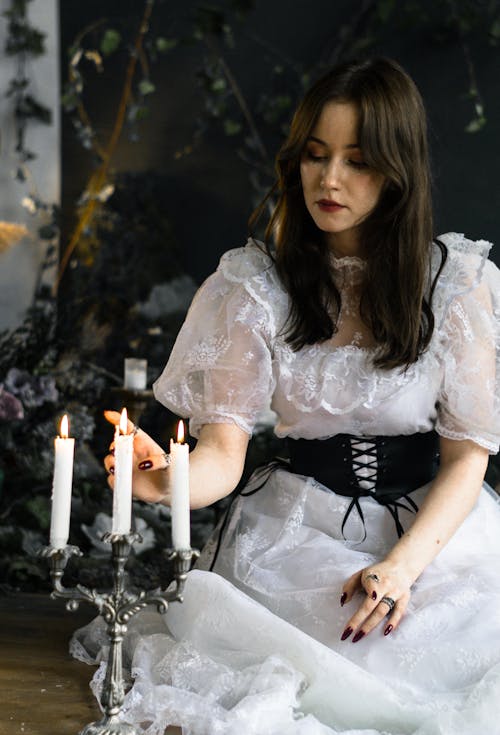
x: 135, y: 430
x: 373, y: 576
x: 168, y: 460
x: 389, y: 601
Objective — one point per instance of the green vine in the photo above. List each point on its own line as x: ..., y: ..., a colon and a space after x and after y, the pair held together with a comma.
x: 91, y: 48
x: 25, y: 43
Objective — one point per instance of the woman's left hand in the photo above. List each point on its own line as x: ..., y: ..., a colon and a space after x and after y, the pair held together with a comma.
x: 387, y: 592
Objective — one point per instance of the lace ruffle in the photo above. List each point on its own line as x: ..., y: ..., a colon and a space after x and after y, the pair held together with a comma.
x: 230, y: 358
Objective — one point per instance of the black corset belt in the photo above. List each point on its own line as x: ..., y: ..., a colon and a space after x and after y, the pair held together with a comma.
x: 386, y: 468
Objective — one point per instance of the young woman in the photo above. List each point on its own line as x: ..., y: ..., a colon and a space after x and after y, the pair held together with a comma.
x: 355, y: 589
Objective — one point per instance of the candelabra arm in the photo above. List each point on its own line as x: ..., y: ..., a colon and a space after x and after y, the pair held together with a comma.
x: 58, y: 559
x: 183, y: 560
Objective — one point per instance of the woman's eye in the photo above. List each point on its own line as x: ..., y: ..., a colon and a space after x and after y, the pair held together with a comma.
x: 313, y: 156
x: 357, y: 164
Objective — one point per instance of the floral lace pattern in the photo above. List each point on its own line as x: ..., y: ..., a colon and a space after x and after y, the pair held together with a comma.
x: 231, y: 360
x: 256, y: 650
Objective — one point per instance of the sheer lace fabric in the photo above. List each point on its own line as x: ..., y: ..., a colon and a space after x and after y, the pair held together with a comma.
x: 230, y: 361
x: 255, y: 647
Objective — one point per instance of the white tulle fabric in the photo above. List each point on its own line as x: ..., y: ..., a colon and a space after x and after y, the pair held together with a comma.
x: 255, y: 647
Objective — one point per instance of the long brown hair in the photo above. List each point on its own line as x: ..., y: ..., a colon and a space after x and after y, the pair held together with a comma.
x: 396, y: 236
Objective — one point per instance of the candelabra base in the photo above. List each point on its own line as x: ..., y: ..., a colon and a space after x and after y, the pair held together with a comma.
x: 116, y: 607
x: 109, y: 726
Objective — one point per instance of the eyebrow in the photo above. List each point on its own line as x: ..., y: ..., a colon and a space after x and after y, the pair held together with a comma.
x: 322, y: 142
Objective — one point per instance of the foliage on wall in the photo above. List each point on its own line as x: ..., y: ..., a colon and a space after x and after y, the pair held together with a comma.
x: 255, y: 124
x: 25, y: 43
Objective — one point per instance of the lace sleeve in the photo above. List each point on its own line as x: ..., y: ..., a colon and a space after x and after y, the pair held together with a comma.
x: 220, y: 369
x: 468, y: 405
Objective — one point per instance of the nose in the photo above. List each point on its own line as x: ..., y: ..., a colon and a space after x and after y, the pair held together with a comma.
x: 331, y: 174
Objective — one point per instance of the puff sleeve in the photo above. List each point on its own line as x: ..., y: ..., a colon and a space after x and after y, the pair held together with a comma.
x: 469, y: 406
x: 220, y: 369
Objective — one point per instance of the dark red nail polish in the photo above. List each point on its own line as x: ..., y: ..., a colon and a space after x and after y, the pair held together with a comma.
x: 374, y: 595
x: 146, y: 465
x: 347, y: 632
x: 111, y: 470
x: 343, y: 599
x: 112, y: 452
x: 359, y: 635
x: 388, y: 629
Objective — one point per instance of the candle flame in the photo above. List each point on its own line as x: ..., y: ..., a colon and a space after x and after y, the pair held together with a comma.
x: 64, y: 430
x: 123, y: 421
x: 180, y: 432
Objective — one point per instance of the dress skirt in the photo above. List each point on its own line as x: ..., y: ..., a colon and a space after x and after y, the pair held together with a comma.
x: 255, y: 647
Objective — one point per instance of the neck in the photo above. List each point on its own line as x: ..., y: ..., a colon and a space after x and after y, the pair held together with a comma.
x: 344, y: 244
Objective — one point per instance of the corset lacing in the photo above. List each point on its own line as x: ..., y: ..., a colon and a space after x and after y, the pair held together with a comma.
x: 386, y: 468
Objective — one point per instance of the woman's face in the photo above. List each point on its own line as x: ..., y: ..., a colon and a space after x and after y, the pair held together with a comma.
x: 340, y: 189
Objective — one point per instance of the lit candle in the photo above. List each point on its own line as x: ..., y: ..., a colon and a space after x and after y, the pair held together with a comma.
x: 179, y: 468
x: 122, y: 494
x: 61, y: 487
x: 135, y: 374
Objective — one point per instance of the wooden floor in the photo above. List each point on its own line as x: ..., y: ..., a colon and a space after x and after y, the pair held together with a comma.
x: 43, y: 691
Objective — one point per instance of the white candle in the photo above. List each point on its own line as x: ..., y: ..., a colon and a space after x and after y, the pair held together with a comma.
x: 61, y: 487
x: 179, y: 468
x: 122, y: 494
x: 135, y: 374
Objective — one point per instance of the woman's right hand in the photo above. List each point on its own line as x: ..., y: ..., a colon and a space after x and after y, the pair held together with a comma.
x: 150, y: 477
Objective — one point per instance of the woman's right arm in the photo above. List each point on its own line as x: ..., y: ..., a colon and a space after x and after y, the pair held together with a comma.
x: 215, y: 465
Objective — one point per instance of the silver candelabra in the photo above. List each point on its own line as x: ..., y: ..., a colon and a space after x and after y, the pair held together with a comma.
x: 116, y: 606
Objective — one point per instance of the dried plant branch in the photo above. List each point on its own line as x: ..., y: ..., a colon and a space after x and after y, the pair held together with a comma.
x: 98, y: 178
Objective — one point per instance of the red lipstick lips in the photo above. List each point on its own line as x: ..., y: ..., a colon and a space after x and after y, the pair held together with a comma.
x: 328, y: 205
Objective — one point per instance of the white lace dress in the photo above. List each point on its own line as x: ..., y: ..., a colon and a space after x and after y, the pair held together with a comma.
x: 255, y: 648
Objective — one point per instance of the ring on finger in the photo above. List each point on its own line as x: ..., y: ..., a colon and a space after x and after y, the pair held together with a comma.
x: 135, y: 429
x: 388, y: 601
x: 168, y: 460
x: 373, y: 576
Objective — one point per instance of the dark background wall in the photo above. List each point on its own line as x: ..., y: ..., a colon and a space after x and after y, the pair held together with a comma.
x: 208, y: 195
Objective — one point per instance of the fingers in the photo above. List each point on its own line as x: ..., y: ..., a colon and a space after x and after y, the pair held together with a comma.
x: 386, y: 599
x: 152, y: 462
x: 109, y: 462
x: 397, y: 614
x: 114, y: 418
x: 155, y: 462
x: 360, y: 619
x: 383, y: 612
x: 361, y: 581
x: 350, y: 588
x: 109, y: 466
x: 371, y: 584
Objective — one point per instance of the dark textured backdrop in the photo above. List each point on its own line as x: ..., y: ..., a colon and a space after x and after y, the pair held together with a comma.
x: 207, y: 195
